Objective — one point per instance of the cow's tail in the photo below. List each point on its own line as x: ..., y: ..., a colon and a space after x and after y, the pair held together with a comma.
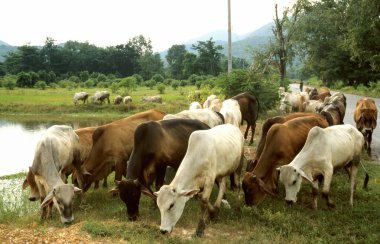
x: 366, y: 179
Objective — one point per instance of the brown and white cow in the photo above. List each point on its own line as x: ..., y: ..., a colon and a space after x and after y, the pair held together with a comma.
x: 282, y: 144
x: 365, y: 116
x: 156, y: 146
x: 56, y: 151
x: 112, y: 146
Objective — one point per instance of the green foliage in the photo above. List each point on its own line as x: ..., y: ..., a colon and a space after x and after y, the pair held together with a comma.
x: 175, y: 84
x: 9, y: 82
x: 139, y: 78
x: 158, y: 78
x: 74, y: 78
x: 40, y: 85
x: 89, y: 83
x: 128, y: 85
x: 161, y: 88
x: 150, y: 83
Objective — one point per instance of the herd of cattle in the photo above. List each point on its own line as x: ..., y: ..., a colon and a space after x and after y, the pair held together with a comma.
x: 204, y: 145
x: 101, y: 96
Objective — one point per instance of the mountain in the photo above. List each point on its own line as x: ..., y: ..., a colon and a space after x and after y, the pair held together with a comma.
x: 241, y: 44
x: 4, y: 49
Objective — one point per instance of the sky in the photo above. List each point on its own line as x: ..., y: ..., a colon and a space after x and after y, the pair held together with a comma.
x: 112, y: 22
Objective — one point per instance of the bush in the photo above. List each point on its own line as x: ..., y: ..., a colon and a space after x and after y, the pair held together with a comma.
x: 9, y: 83
x: 175, y: 84
x: 40, y: 85
x: 89, y: 83
x: 158, y: 78
x: 161, y: 88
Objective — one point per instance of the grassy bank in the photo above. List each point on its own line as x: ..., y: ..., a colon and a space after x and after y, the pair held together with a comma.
x: 104, y: 217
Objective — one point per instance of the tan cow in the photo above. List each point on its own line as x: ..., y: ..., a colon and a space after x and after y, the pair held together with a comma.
x: 365, y: 116
x: 112, y: 146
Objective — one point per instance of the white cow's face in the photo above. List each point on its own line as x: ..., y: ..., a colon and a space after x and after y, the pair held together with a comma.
x: 292, y: 180
x: 171, y: 204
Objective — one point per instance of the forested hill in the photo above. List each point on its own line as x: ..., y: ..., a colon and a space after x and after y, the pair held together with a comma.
x: 240, y: 44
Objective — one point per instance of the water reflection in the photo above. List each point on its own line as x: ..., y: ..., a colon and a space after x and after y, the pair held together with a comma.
x: 18, y: 140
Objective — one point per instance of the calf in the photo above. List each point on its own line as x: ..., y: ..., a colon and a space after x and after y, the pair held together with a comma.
x: 325, y: 150
x: 211, y: 156
x: 157, y: 145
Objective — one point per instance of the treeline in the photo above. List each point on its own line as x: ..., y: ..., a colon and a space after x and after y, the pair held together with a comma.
x: 80, y: 61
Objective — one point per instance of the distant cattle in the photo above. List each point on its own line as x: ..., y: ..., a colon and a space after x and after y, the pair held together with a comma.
x: 320, y: 96
x: 156, y: 146
x: 56, y: 151
x: 80, y: 96
x: 207, y: 116
x: 118, y: 100
x: 325, y: 151
x: 127, y: 99
x: 155, y: 99
x: 195, y: 105
x: 365, y: 116
x: 100, y: 96
x: 211, y: 156
x: 112, y: 146
x: 293, y: 101
x: 312, y: 105
x: 282, y: 144
x: 249, y: 108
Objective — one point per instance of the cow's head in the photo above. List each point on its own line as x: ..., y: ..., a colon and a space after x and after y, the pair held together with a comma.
x: 367, y: 120
x: 255, y: 189
x: 30, y: 181
x: 130, y: 193
x: 292, y: 179
x: 62, y: 196
x: 171, y: 203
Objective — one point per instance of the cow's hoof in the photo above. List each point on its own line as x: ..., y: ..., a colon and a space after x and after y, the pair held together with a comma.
x: 199, y: 233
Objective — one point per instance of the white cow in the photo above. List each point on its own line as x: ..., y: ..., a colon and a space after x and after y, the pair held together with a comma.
x: 55, y: 152
x: 231, y: 112
x: 324, y: 150
x: 127, y: 99
x: 211, y: 156
x: 118, y: 99
x: 207, y: 103
x: 293, y: 100
x: 80, y: 96
x: 215, y: 105
x: 207, y: 116
x: 156, y: 99
x: 101, y: 96
x: 195, y: 105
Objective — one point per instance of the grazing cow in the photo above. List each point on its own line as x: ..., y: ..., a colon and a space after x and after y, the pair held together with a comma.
x: 249, y: 108
x: 155, y: 99
x: 127, y: 99
x: 283, y: 142
x: 207, y: 116
x: 264, y: 131
x: 56, y: 151
x: 100, y: 96
x: 118, y: 99
x: 231, y: 112
x: 85, y: 146
x: 211, y: 156
x: 112, y: 146
x: 325, y: 150
x: 365, y: 116
x: 208, y: 101
x: 195, y: 105
x: 157, y: 145
x: 30, y: 181
x: 80, y: 96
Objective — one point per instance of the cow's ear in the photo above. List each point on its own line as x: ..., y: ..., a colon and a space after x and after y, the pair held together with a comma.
x: 278, y: 169
x: 264, y: 187
x: 305, y: 176
x: 77, y: 190
x: 147, y: 192
x: 156, y: 193
x: 189, y: 193
x: 25, y: 184
x: 114, y: 190
x: 48, y: 199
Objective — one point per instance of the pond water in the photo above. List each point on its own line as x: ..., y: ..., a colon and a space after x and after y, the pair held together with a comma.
x: 18, y: 141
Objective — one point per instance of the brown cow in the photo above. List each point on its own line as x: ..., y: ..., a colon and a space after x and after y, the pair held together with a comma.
x: 283, y: 142
x: 266, y: 126
x: 320, y: 96
x: 112, y: 146
x: 249, y: 108
x: 365, y: 116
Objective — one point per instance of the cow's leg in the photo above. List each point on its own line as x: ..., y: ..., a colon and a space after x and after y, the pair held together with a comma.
x: 326, y: 187
x: 369, y: 140
x: 120, y: 169
x: 206, y: 208
x: 213, y: 212
x: 246, y: 130
x: 160, y: 176
x: 253, y: 128
x: 314, y: 192
x: 96, y: 184
x: 105, y: 183
x: 353, y: 172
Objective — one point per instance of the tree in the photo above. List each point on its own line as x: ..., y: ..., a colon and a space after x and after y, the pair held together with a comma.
x: 151, y: 64
x: 208, y: 60
x: 25, y: 58
x: 175, y: 58
x: 190, y: 65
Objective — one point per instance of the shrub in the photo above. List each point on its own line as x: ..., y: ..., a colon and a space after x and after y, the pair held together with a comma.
x: 40, y: 85
x: 175, y: 84
x: 161, y: 88
x: 158, y: 78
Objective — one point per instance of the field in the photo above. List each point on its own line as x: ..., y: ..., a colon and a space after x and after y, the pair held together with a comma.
x: 102, y: 218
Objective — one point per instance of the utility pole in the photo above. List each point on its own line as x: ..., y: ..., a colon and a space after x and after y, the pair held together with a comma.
x: 229, y: 66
